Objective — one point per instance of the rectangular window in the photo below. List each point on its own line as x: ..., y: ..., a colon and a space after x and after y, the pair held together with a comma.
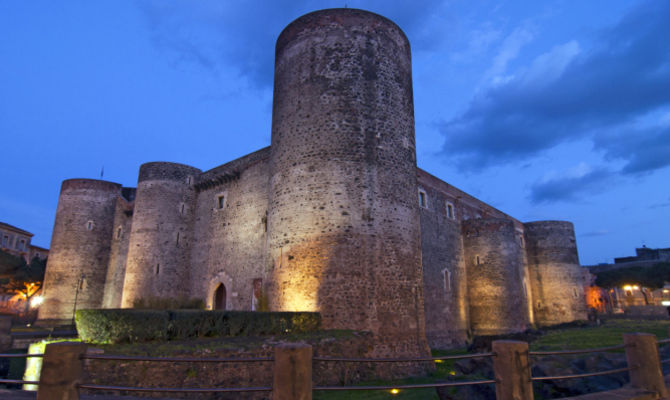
x: 447, y: 280
x: 5, y: 241
x: 450, y: 211
x: 21, y: 245
x: 422, y: 199
x: 220, y: 202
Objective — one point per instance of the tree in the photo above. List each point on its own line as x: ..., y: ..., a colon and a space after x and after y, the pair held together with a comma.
x: 653, y: 277
x: 19, y: 277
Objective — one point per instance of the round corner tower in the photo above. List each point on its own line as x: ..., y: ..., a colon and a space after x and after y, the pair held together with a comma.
x: 80, y: 246
x: 343, y: 219
x: 159, y: 249
x: 497, y: 290
x: 556, y: 276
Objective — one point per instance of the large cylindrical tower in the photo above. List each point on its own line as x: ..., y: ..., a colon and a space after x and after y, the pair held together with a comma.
x: 497, y: 290
x: 556, y: 277
x: 343, y: 221
x: 80, y: 246
x: 160, y: 236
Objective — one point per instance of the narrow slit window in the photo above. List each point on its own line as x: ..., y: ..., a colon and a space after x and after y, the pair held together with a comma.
x: 220, y: 202
x: 477, y: 260
x: 158, y: 268
x: 422, y: 198
x: 119, y: 230
x: 447, y: 280
x: 181, y: 210
x: 89, y: 225
x: 177, y: 239
x: 450, y: 211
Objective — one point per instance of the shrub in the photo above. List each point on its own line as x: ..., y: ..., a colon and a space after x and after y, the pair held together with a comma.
x: 132, y: 325
x: 122, y: 325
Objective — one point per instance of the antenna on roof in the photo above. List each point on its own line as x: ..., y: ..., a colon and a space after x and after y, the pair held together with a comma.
x: 102, y: 171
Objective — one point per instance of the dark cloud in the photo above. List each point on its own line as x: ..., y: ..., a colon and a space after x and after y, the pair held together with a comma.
x: 569, y: 188
x: 643, y: 149
x: 571, y: 93
x: 216, y: 35
x: 660, y: 205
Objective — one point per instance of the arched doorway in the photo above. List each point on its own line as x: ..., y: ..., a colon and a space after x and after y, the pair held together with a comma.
x: 220, y: 297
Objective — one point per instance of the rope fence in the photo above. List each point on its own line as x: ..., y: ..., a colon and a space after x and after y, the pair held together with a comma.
x: 172, y: 359
x: 511, y: 363
x: 174, y: 390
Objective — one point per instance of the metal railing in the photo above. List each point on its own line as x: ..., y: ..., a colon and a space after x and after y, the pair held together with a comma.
x: 631, y: 347
x: 95, y: 387
x: 405, y: 360
x: 579, y: 351
x: 22, y: 355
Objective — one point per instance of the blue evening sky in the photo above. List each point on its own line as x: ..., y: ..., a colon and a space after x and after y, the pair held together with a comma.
x: 544, y: 109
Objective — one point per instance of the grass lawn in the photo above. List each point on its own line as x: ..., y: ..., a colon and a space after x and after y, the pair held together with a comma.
x: 610, y: 333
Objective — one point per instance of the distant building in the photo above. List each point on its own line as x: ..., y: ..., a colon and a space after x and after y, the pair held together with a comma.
x: 645, y: 254
x: 644, y: 257
x: 16, y: 241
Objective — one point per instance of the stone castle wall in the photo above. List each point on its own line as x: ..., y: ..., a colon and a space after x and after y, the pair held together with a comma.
x: 118, y: 254
x: 80, y: 247
x: 161, y: 233
x: 229, y: 241
x: 556, y: 277
x: 444, y: 274
x: 497, y: 292
x: 334, y: 217
x: 343, y: 222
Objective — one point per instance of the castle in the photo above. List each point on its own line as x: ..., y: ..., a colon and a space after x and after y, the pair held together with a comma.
x: 333, y: 217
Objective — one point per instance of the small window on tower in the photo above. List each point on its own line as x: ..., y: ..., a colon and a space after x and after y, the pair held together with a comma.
x: 423, y: 199
x: 158, y: 268
x: 119, y: 231
x: 220, y: 202
x: 450, y: 211
x: 447, y: 280
x: 89, y: 225
x: 477, y: 260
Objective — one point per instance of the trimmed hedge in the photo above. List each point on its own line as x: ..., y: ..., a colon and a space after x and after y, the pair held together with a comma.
x: 133, y: 325
x: 122, y: 325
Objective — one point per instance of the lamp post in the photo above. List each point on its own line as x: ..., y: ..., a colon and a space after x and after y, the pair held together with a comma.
x: 76, y: 295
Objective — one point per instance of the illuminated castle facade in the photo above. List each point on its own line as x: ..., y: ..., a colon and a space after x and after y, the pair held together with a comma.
x: 333, y: 217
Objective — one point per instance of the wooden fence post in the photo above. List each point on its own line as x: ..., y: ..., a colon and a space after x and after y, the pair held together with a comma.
x: 511, y: 368
x: 62, y: 371
x: 644, y: 362
x: 292, y: 372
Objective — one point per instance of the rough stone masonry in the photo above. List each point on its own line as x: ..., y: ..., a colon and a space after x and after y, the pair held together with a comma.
x: 333, y: 217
